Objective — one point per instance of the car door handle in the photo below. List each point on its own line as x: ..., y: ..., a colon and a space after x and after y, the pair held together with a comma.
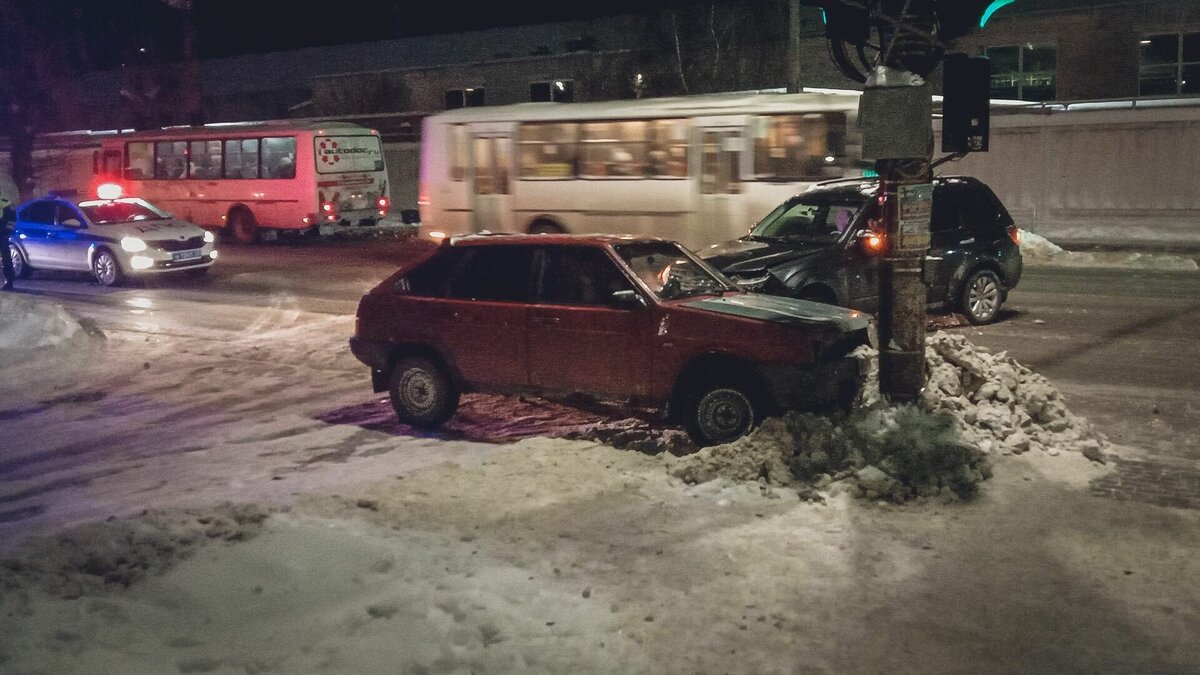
x: 970, y: 240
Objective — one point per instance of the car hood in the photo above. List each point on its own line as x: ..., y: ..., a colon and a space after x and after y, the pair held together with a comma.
x: 153, y: 230
x: 752, y: 255
x: 782, y: 310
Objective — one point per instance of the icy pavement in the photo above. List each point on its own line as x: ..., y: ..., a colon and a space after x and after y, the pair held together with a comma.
x: 386, y: 552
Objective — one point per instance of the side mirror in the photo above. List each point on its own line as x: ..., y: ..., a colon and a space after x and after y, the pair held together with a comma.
x: 72, y: 222
x: 627, y: 300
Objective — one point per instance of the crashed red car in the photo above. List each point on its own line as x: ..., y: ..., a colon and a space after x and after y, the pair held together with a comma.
x: 618, y: 318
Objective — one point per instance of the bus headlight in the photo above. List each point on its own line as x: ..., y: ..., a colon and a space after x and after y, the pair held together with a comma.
x: 133, y: 244
x: 209, y: 237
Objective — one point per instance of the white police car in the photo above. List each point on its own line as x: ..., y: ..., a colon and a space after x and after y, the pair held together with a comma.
x: 113, y: 237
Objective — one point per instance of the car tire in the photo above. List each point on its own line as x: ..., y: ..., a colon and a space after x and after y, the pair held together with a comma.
x: 243, y: 227
x: 721, y: 412
x: 980, y: 297
x: 422, y: 392
x: 21, y: 268
x: 817, y: 294
x: 106, y: 269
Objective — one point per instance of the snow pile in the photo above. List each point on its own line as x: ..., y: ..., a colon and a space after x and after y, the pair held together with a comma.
x: 27, y: 323
x: 1037, y: 250
x: 976, y: 403
x: 89, y: 558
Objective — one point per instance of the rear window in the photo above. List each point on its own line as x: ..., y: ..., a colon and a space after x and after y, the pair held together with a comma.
x: 430, y: 277
x: 496, y: 273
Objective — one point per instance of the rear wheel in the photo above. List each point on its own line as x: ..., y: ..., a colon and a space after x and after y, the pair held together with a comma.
x: 243, y: 227
x: 106, y: 269
x: 422, y: 392
x: 545, y: 226
x: 981, y: 296
x: 817, y: 294
x: 21, y: 268
x: 720, y: 412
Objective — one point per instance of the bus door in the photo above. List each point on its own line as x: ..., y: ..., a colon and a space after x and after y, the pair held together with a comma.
x: 491, y: 190
x: 718, y: 214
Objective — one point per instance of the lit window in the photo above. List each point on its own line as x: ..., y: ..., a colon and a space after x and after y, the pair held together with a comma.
x: 547, y: 150
x: 811, y: 146
x: 613, y: 149
x: 558, y: 91
x: 1025, y: 73
x: 1169, y: 64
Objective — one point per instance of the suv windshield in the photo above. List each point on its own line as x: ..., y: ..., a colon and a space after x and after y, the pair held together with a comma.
x: 811, y: 219
x: 672, y: 272
x: 102, y: 212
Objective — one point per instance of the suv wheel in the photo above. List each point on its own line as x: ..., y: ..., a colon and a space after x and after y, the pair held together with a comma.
x: 422, y: 393
x: 981, y: 296
x: 720, y: 413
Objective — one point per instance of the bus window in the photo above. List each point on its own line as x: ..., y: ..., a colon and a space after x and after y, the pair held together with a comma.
x: 170, y: 159
x: 613, y: 148
x: 241, y: 158
x: 547, y: 150
x: 457, y: 141
x: 139, y: 161
x: 279, y: 157
x: 668, y: 149
x: 204, y: 159
x: 809, y: 146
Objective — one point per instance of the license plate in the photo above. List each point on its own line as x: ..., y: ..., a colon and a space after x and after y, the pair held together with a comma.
x: 185, y: 255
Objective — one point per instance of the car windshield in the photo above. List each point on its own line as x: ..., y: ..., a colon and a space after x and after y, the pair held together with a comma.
x: 102, y: 212
x: 811, y: 219
x: 670, y: 271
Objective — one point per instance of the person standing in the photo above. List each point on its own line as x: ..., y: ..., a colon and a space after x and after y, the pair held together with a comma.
x: 8, y: 220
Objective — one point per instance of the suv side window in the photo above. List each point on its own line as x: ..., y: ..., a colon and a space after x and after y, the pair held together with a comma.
x: 40, y: 213
x: 945, y: 222
x: 581, y: 276
x: 983, y: 211
x: 497, y: 273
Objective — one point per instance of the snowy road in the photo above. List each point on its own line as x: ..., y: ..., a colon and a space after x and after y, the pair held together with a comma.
x: 409, y: 553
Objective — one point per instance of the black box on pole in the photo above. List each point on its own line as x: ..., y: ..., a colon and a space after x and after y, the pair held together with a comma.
x: 966, y: 103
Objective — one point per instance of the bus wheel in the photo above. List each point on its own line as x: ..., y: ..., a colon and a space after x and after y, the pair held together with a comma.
x: 545, y: 226
x: 242, y: 226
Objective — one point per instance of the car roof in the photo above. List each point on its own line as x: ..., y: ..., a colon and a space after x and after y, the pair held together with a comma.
x: 861, y: 183
x: 486, y: 239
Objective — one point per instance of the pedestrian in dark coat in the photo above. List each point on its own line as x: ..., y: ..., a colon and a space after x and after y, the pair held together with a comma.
x: 8, y: 220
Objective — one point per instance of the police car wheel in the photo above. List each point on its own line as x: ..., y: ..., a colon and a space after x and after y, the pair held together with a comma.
x: 106, y: 268
x: 21, y: 266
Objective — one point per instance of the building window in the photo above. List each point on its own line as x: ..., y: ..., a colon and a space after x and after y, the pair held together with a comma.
x: 1169, y: 64
x: 471, y: 97
x: 558, y: 91
x: 1026, y: 73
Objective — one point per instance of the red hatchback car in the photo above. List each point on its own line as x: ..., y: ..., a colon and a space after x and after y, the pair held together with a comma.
x: 637, y: 320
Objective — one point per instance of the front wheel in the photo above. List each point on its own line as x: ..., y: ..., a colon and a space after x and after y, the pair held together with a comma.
x: 243, y: 227
x: 981, y: 296
x: 422, y: 392
x: 720, y: 413
x: 106, y: 268
x: 21, y: 268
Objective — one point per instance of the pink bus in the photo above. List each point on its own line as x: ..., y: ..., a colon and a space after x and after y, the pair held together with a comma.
x: 254, y: 181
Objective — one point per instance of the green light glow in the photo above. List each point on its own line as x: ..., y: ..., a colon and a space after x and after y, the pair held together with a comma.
x: 996, y: 4
x: 870, y: 173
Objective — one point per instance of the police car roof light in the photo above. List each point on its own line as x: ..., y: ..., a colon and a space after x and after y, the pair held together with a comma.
x: 109, y: 191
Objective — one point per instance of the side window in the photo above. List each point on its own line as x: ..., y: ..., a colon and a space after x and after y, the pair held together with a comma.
x: 139, y: 160
x: 430, y: 277
x: 279, y: 157
x: 204, y: 159
x: 944, y: 218
x: 39, y: 213
x: 170, y: 159
x: 580, y: 276
x: 241, y: 158
x: 498, y: 273
x: 984, y: 211
x: 66, y: 213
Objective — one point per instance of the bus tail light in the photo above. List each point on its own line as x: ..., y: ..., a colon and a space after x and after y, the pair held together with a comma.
x: 383, y: 203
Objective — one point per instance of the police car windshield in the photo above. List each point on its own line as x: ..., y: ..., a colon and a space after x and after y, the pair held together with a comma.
x: 102, y: 212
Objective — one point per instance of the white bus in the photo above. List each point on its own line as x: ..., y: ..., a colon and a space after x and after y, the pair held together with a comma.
x: 253, y: 180
x: 699, y: 169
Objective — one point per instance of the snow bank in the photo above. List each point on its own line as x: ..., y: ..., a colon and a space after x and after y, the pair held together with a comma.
x: 42, y: 346
x: 29, y: 323
x: 976, y: 404
x: 1036, y: 250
